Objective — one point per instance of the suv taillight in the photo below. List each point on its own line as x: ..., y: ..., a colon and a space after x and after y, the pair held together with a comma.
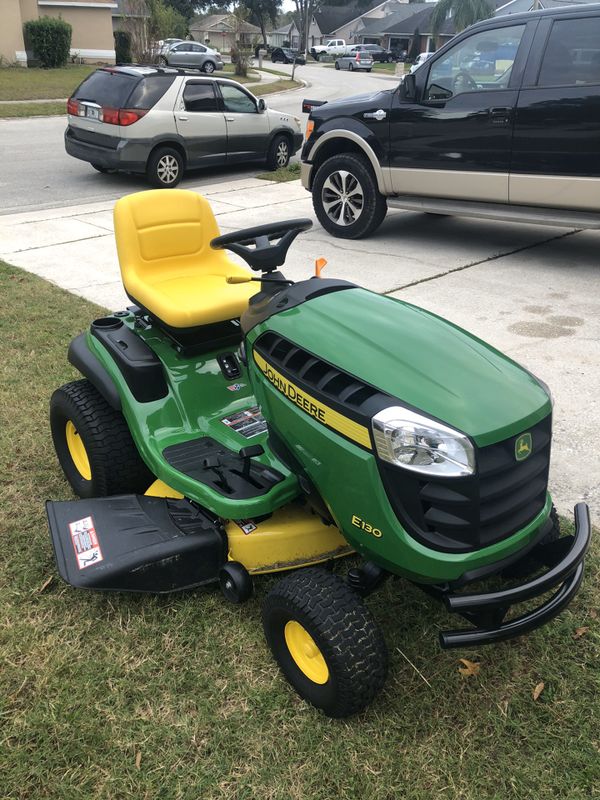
x: 72, y: 107
x: 358, y: 56
x: 122, y: 116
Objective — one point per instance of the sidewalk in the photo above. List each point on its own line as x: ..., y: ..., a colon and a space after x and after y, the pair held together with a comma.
x: 533, y: 292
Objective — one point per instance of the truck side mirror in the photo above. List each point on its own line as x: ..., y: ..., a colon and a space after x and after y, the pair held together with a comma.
x: 408, y: 87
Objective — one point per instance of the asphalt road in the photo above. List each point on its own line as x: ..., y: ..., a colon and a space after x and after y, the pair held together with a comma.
x: 37, y: 173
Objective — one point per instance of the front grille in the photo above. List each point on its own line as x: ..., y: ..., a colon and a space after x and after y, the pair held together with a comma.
x: 461, y: 514
x: 318, y: 377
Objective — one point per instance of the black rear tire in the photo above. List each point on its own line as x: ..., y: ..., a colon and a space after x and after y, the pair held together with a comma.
x: 279, y: 153
x: 338, y: 219
x: 165, y: 168
x: 337, y: 66
x: 115, y: 466
x: 347, y: 657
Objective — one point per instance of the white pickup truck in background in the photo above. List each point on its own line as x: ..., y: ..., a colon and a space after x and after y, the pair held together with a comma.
x: 334, y: 47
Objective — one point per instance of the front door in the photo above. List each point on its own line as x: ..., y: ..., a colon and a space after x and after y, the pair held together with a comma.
x: 247, y: 127
x: 201, y: 123
x: 456, y: 140
x: 556, y: 149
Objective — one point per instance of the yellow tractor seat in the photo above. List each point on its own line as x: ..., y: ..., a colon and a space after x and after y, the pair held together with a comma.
x: 167, y: 265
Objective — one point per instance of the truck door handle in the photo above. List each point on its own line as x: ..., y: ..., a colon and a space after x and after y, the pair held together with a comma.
x: 501, y: 115
x: 378, y: 115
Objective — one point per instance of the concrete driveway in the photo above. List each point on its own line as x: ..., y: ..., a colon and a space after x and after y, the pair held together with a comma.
x: 533, y: 292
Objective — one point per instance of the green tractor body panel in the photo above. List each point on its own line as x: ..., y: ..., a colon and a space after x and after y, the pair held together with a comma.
x: 426, y: 362
x: 415, y: 357
x: 198, y: 401
x: 420, y: 361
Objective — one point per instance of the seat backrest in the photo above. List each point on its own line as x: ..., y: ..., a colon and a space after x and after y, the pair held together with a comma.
x: 165, y: 231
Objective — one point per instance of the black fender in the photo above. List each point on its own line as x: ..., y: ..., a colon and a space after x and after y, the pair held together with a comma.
x: 82, y: 358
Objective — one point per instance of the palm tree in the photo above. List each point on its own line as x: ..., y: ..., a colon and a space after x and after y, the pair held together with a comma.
x: 463, y: 13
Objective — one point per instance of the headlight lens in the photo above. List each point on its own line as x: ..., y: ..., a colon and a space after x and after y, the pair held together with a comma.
x: 420, y: 444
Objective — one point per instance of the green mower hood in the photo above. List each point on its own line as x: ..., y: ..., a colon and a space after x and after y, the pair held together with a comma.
x: 419, y: 358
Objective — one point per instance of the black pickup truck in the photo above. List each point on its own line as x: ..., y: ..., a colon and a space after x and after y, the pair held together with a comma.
x: 516, y: 141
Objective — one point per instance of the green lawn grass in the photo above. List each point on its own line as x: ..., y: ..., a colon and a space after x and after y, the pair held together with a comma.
x: 51, y: 109
x: 116, y: 697
x: 283, y: 174
x: 33, y: 83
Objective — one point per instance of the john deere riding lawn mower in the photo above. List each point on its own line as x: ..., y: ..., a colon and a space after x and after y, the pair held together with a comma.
x: 230, y: 425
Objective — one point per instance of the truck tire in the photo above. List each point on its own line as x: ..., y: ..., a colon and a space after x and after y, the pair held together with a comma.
x: 346, y: 198
x: 325, y: 641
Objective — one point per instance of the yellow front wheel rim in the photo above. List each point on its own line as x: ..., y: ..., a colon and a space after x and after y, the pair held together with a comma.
x: 307, y: 656
x: 78, y: 452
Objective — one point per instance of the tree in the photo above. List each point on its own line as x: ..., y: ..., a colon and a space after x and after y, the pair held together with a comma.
x: 186, y: 8
x: 262, y: 12
x: 463, y: 12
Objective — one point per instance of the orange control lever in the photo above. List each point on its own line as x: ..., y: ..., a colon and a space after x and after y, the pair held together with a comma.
x: 320, y: 264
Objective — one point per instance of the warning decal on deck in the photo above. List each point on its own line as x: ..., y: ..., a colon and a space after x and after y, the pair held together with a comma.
x: 247, y: 423
x: 246, y: 525
x: 85, y: 542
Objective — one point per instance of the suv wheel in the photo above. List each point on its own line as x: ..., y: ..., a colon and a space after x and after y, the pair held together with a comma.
x: 208, y: 67
x: 279, y: 153
x: 165, y: 168
x: 346, y: 198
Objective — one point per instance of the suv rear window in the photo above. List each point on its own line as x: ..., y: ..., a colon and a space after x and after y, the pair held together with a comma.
x: 114, y: 89
x: 107, y: 88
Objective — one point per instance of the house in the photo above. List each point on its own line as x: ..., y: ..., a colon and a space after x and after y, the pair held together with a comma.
x: 126, y: 12
x: 289, y: 33
x: 91, y: 20
x: 517, y: 6
x: 221, y: 31
x: 397, y: 30
x: 343, y: 23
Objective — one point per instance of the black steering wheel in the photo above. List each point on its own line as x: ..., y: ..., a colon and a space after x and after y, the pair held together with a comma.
x: 464, y: 80
x: 263, y: 247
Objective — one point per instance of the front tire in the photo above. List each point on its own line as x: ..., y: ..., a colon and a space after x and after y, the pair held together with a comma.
x: 346, y: 197
x: 279, y: 153
x: 94, y: 445
x: 165, y: 168
x: 325, y: 641
x: 208, y: 67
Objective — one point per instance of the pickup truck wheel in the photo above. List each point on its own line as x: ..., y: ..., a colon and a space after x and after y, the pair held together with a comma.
x: 346, y: 198
x: 337, y: 64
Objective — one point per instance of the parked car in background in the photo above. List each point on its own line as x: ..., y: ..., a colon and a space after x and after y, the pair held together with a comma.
x: 192, y: 54
x: 161, y: 121
x: 378, y: 53
x: 355, y: 59
x: 166, y: 44
x: 334, y: 47
x: 420, y: 59
x: 284, y: 55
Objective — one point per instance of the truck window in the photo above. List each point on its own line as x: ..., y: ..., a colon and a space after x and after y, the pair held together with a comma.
x: 572, y: 54
x: 483, y: 61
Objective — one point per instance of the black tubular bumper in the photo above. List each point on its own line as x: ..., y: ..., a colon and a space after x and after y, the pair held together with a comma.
x: 488, y: 609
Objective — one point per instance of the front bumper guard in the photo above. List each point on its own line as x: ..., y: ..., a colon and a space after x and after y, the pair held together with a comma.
x: 487, y: 610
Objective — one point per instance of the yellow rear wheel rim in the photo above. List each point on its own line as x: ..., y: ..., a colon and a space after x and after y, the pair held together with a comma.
x: 78, y: 452
x: 307, y: 656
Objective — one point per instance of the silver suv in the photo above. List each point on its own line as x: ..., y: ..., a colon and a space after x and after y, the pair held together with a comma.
x: 162, y: 121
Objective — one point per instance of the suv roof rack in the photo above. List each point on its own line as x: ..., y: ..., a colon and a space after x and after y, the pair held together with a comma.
x: 166, y: 70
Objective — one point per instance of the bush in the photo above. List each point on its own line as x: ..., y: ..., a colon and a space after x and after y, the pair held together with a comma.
x: 50, y: 40
x: 122, y: 47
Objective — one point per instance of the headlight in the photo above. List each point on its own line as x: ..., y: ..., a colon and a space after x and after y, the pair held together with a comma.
x: 422, y: 445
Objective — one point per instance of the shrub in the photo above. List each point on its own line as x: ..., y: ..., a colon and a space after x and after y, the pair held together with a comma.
x: 122, y: 47
x: 50, y: 40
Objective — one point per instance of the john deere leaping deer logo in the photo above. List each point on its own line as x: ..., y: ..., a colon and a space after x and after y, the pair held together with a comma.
x: 523, y: 447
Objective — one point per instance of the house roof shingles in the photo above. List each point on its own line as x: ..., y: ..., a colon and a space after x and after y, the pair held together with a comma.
x: 330, y: 18
x: 220, y: 22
